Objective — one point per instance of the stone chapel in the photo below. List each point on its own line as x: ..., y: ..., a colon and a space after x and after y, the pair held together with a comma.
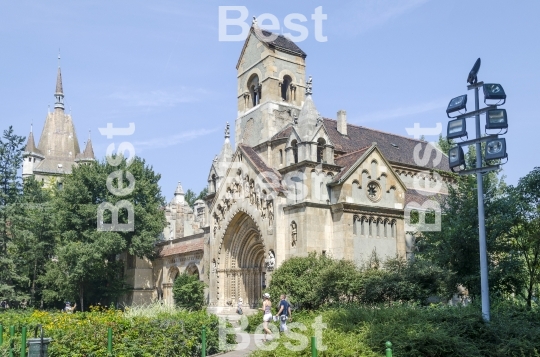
x: 294, y: 183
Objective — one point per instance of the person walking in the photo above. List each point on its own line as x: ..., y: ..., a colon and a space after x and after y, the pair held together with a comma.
x: 267, y: 309
x: 239, y: 308
x: 284, y: 313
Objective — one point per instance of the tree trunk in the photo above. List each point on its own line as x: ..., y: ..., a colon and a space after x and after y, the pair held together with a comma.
x: 530, y: 292
x: 34, y: 280
x: 81, y: 296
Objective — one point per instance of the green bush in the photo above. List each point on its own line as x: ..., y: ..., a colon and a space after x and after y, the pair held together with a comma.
x: 175, y: 333
x: 188, y: 292
x: 435, y: 331
x: 314, y: 281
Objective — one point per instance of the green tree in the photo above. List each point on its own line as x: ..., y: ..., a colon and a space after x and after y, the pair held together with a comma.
x: 525, y: 234
x: 190, y: 196
x: 86, y: 263
x: 456, y: 246
x: 188, y: 292
x: 11, y: 281
x: 35, y: 242
x: 444, y: 145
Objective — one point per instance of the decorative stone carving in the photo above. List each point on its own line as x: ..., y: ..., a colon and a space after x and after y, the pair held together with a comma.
x: 270, y: 260
x: 373, y: 191
x: 270, y: 208
x: 251, y: 193
x: 294, y: 234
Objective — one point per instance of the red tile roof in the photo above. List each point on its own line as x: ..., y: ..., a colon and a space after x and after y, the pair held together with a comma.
x: 192, y: 245
x: 347, y: 161
x: 395, y: 148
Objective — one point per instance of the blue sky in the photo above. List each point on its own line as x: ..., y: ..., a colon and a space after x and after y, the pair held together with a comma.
x: 160, y: 65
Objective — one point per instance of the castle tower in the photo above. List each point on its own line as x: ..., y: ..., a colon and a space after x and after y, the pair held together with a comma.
x: 271, y: 82
x: 87, y: 155
x: 58, y: 146
x: 31, y: 156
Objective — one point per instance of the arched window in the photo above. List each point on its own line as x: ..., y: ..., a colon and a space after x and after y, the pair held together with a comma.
x: 280, y: 156
x: 356, y: 223
x: 254, y: 90
x: 214, y: 183
x: 320, y: 149
x: 285, y: 91
x: 294, y: 145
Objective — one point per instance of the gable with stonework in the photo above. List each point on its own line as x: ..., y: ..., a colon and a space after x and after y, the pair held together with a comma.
x: 368, y: 179
x: 249, y: 186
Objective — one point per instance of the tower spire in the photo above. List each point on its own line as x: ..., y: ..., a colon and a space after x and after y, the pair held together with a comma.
x: 59, y: 94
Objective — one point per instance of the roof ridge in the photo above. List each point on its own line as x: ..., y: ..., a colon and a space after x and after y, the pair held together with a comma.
x: 354, y: 152
x: 381, y: 131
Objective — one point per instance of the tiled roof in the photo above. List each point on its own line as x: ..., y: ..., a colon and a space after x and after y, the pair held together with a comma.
x: 347, y: 161
x: 31, y: 145
x: 271, y: 176
x: 283, y: 133
x: 422, y: 196
x: 395, y: 148
x: 55, y: 165
x: 281, y: 43
x: 192, y: 245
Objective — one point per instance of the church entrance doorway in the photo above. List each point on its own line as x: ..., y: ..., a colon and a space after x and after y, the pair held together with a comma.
x: 241, y: 272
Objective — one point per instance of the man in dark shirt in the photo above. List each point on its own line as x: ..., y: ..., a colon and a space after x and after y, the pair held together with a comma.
x: 284, y: 313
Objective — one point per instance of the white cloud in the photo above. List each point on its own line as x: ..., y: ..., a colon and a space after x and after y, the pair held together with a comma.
x: 364, y: 15
x: 159, y: 98
x: 402, y: 111
x: 171, y: 140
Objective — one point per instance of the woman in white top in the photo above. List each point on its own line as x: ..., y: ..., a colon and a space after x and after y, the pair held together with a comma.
x: 267, y: 308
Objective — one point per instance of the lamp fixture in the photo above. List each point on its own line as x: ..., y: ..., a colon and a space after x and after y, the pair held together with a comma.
x: 456, y: 128
x: 456, y: 157
x: 495, y: 149
x: 494, y: 91
x: 496, y: 119
x: 456, y: 104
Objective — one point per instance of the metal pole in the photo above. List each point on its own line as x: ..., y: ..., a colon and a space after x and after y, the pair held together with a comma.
x: 23, y: 342
x: 313, y: 346
x: 203, y: 347
x: 12, y: 340
x: 481, y: 221
x: 109, y: 340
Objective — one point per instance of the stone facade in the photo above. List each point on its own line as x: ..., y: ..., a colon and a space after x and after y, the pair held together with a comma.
x: 296, y: 183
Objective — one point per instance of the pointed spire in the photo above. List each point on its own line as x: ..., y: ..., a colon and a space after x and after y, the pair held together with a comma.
x: 88, y: 152
x: 226, y: 151
x: 309, y: 119
x: 179, y: 189
x: 59, y: 94
x: 179, y: 194
x: 30, y: 143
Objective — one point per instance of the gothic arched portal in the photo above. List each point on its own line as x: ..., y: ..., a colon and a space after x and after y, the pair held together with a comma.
x: 241, y: 272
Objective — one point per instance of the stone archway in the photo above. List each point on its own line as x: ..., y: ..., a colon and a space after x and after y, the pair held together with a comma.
x: 241, y: 263
x: 192, y: 269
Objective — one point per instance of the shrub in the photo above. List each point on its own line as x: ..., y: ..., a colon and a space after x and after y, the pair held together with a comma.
x: 435, y: 331
x: 173, y: 333
x: 188, y: 292
x: 313, y: 281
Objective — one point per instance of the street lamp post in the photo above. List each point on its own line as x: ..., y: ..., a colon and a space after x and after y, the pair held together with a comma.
x: 495, y: 118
